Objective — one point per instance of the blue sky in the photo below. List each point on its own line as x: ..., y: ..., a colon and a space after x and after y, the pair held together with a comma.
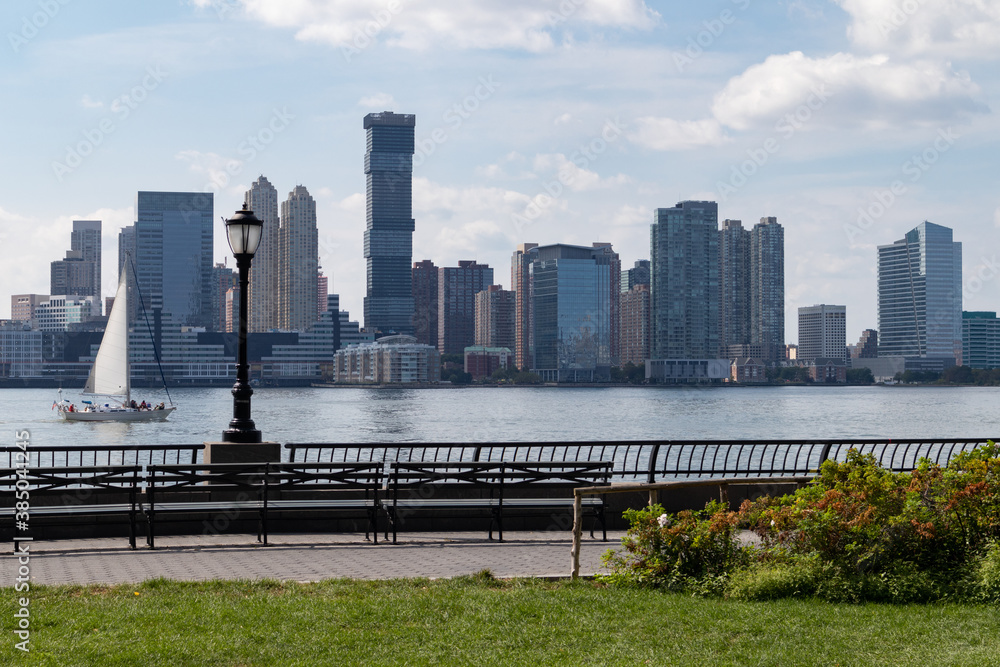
x: 537, y: 120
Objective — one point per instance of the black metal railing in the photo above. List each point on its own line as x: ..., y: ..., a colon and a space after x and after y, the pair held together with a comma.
x: 50, y: 456
x: 633, y: 461
x: 653, y: 461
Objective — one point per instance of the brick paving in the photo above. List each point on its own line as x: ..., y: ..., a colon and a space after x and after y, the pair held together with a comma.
x: 301, y: 557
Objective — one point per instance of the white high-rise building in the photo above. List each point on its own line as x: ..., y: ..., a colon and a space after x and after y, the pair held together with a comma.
x: 298, y: 261
x: 262, y: 199
x: 822, y: 332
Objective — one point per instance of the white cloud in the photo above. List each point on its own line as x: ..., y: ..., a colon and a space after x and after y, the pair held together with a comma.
x: 859, y: 91
x: 573, y: 176
x: 380, y: 101
x: 632, y: 216
x: 217, y: 170
x: 421, y: 24
x: 667, y: 134
x: 88, y: 103
x: 944, y: 28
x: 563, y: 119
x: 354, y: 203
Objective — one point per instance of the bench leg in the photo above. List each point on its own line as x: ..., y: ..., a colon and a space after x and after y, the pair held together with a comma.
x: 150, y: 539
x: 131, y: 529
x: 372, y: 524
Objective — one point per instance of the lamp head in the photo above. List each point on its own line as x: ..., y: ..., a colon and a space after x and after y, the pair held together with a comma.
x: 244, y: 232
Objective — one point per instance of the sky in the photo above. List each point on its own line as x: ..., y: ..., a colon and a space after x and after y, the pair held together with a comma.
x: 545, y: 121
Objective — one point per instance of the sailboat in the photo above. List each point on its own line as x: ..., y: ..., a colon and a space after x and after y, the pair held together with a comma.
x: 110, y: 375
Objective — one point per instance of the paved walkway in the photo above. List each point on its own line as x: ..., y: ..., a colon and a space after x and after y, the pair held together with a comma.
x: 305, y: 557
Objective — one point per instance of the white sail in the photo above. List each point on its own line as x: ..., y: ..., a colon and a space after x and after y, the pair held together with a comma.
x: 110, y: 374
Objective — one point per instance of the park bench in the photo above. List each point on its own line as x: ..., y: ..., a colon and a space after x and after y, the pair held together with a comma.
x: 67, y: 495
x: 325, y: 488
x: 228, y: 492
x: 491, y: 489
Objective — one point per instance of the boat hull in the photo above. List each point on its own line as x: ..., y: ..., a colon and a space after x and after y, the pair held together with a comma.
x: 118, y: 415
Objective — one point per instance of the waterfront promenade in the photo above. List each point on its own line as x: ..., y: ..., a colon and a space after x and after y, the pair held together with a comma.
x: 307, y: 557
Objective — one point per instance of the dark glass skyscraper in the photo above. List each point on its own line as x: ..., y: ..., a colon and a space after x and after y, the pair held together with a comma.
x: 389, y: 233
x: 173, y: 255
x: 684, y: 281
x: 575, y: 293
x: 920, y: 295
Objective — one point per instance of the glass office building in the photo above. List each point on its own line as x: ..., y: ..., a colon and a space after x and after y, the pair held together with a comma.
x: 575, y: 294
x: 390, y: 224
x: 173, y: 255
x: 920, y: 295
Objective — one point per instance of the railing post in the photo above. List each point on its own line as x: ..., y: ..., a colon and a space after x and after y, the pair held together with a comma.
x: 577, y: 532
x: 651, y: 476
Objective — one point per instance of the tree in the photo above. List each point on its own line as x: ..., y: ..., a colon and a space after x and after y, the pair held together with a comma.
x: 860, y: 376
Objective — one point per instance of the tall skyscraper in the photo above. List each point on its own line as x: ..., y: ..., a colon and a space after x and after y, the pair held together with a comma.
x: 86, y: 239
x: 262, y: 299
x: 920, y: 295
x: 519, y: 283
x: 636, y: 331
x: 322, y: 292
x: 298, y: 243
x: 575, y: 294
x: 734, y: 285
x: 637, y: 275
x: 390, y: 224
x: 173, y: 255
x: 767, y: 288
x: 425, y: 302
x: 495, y: 317
x: 126, y: 248
x: 223, y: 279
x: 822, y: 332
x: 867, y: 347
x: 684, y: 281
x: 80, y: 272
x: 457, y: 288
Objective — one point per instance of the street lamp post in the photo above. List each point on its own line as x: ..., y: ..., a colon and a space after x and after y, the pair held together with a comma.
x: 244, y: 232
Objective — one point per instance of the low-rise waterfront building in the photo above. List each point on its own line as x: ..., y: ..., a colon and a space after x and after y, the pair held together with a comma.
x: 482, y: 361
x: 748, y: 370
x: 683, y: 371
x: 397, y: 359
x: 980, y: 339
x: 20, y: 350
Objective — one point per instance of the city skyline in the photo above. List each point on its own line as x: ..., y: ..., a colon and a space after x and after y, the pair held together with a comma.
x: 770, y: 110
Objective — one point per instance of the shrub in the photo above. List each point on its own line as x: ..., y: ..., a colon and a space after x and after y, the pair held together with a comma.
x: 687, y: 551
x: 858, y: 533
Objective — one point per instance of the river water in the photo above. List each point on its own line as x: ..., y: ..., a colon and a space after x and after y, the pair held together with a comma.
x: 387, y: 415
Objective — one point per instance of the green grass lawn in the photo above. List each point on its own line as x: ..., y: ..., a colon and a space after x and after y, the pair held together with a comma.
x: 479, y: 621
